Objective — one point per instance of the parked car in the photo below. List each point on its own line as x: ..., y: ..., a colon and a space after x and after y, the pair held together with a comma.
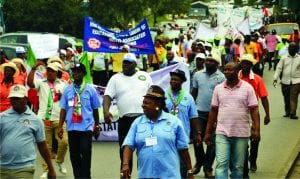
x: 283, y: 28
x: 22, y: 38
x: 10, y: 49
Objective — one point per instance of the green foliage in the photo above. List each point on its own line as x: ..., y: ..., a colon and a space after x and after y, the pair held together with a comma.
x: 238, y: 2
x: 67, y: 16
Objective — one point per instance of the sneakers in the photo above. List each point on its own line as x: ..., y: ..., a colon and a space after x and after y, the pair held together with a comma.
x: 253, y: 167
x: 44, y: 175
x: 62, y: 168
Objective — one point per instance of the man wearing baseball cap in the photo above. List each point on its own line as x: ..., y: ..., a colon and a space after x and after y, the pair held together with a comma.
x: 79, y: 109
x: 128, y: 88
x: 49, y: 91
x: 20, y: 130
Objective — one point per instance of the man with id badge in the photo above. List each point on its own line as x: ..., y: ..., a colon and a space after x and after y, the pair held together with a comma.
x: 79, y: 108
x: 182, y: 105
x: 159, y: 138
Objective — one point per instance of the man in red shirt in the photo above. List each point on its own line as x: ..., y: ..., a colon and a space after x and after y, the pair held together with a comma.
x: 246, y: 74
x: 295, y: 37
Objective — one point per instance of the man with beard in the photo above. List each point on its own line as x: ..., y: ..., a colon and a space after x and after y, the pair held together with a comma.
x: 204, y: 83
x: 128, y: 88
x: 233, y: 102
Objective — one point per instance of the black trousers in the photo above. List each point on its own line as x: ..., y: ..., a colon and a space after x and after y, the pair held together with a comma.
x: 124, y: 124
x: 286, y: 92
x: 80, y: 146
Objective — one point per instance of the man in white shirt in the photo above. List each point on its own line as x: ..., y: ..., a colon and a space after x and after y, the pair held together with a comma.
x: 127, y: 88
x: 289, y: 66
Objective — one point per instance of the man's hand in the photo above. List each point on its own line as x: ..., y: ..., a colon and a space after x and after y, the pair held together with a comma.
x: 255, y: 135
x: 108, y: 118
x: 275, y: 83
x: 208, y: 139
x: 60, y: 132
x: 96, y: 131
x: 125, y: 171
x: 267, y: 120
x: 198, y: 139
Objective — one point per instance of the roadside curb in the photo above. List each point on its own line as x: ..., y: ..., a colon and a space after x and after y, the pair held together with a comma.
x: 285, y: 170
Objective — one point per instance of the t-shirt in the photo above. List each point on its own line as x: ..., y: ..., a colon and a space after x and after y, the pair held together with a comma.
x: 129, y: 91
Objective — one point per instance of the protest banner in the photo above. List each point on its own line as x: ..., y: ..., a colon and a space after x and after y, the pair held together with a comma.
x: 98, y: 38
x: 204, y: 32
x: 44, y: 45
x: 160, y: 77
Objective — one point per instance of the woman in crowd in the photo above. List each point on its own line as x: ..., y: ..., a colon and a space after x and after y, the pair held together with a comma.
x: 157, y: 136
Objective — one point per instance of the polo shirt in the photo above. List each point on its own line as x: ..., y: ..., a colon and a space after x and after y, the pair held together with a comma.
x: 128, y: 91
x: 256, y: 82
x: 250, y: 48
x: 89, y: 101
x: 186, y: 109
x: 19, y: 133
x: 161, y: 160
x: 42, y: 86
x: 205, y: 84
x: 233, y: 108
x: 117, y: 61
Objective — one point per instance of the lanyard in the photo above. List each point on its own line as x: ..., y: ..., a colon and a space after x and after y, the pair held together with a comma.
x: 50, y: 101
x: 77, y: 97
x: 176, y: 101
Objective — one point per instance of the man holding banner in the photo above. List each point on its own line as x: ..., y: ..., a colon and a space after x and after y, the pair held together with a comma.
x: 128, y: 88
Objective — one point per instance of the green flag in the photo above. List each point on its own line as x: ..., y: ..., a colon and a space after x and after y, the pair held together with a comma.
x: 85, y: 61
x: 30, y: 57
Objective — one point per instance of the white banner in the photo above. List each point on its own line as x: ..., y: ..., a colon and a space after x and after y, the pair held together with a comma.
x: 204, y: 32
x: 44, y: 45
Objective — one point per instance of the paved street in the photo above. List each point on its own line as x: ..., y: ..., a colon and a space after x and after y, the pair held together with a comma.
x: 278, y: 147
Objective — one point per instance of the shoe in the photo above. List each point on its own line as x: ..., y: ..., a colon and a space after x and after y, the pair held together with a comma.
x: 286, y: 115
x: 196, y: 169
x: 253, y: 167
x: 44, y: 175
x: 209, y: 175
x: 293, y: 117
x: 62, y: 168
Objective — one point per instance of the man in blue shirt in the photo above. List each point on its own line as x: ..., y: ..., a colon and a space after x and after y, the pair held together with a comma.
x: 204, y: 84
x: 79, y: 108
x: 181, y: 104
x: 20, y: 129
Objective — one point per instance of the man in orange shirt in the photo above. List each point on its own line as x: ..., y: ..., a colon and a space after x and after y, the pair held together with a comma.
x: 246, y: 74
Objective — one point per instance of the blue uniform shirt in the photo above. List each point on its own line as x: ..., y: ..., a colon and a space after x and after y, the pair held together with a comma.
x: 160, y: 160
x: 206, y: 85
x: 89, y: 101
x: 186, y: 109
x: 18, y: 135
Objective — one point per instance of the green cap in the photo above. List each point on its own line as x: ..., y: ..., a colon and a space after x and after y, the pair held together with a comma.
x: 210, y: 40
x: 169, y: 45
x: 79, y: 44
x: 228, y: 37
x: 218, y: 38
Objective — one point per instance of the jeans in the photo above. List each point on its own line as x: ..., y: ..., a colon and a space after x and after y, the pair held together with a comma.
x: 81, y: 153
x: 124, y: 124
x: 50, y: 129
x: 230, y: 151
x: 285, y: 89
x: 202, y: 158
x: 294, y: 94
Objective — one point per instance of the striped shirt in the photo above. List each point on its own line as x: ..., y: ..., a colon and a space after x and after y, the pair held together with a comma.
x: 233, y: 108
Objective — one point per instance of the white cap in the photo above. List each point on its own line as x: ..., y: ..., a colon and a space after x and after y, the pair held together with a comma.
x: 18, y: 91
x: 200, y: 55
x: 214, y: 57
x: 126, y: 47
x: 62, y: 51
x: 207, y: 44
x: 129, y: 57
x: 70, y: 49
x: 53, y: 66
x: 20, y: 49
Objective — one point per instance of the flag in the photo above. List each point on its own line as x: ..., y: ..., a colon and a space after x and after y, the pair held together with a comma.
x: 85, y: 61
x: 30, y: 57
x: 244, y: 27
x: 204, y: 32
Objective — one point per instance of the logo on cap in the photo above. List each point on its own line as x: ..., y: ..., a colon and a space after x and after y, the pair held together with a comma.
x: 16, y: 88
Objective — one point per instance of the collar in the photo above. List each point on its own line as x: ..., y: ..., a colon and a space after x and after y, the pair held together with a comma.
x: 162, y: 116
x: 12, y: 111
x: 237, y: 85
x: 251, y: 75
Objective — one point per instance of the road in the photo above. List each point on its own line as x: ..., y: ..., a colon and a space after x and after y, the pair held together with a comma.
x: 278, y: 148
